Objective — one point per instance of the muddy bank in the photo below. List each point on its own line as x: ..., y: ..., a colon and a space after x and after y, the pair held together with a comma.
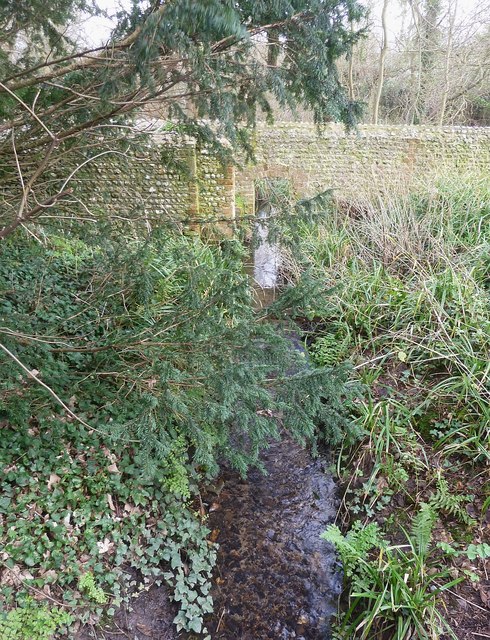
x: 275, y: 577
x: 150, y: 615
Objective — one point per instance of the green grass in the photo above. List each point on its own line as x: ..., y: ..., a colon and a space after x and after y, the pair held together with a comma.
x: 411, y: 278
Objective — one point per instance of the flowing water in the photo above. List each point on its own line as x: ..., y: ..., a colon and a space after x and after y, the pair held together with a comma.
x: 276, y: 578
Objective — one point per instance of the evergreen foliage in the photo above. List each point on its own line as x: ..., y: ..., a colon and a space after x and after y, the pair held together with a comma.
x: 164, y: 370
x: 31, y: 29
x: 171, y: 322
x: 203, y: 62
x: 132, y: 362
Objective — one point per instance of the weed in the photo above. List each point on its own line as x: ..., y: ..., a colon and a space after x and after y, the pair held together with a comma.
x: 86, y: 583
x: 32, y: 620
x: 393, y: 589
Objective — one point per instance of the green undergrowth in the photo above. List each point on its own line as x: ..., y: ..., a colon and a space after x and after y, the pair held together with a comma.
x: 129, y: 366
x: 78, y: 518
x: 410, y: 310
x: 394, y: 588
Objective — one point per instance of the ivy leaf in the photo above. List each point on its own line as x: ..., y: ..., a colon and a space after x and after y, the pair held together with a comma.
x: 195, y: 625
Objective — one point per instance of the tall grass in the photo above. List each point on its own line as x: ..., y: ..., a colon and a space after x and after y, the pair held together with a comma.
x: 410, y: 272
x: 412, y: 278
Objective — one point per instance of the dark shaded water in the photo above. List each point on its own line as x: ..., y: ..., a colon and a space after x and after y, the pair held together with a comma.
x: 275, y: 577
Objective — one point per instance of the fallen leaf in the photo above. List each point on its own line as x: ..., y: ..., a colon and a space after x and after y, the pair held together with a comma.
x: 53, y: 481
x: 109, y: 455
x: 484, y: 595
x: 213, y: 536
x: 145, y: 629
x: 49, y: 575
x: 110, y: 502
x: 104, y: 546
x: 14, y: 576
x: 132, y: 509
x: 112, y: 468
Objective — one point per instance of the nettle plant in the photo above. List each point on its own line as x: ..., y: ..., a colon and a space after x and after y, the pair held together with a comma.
x: 32, y: 620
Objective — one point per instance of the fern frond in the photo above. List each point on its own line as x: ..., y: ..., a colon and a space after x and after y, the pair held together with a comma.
x: 450, y: 503
x: 422, y: 526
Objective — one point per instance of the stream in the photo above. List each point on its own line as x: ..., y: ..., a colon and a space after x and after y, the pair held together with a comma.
x: 275, y: 577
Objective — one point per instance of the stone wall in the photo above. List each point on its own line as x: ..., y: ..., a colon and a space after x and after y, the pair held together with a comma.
x: 162, y: 179
x: 373, y: 159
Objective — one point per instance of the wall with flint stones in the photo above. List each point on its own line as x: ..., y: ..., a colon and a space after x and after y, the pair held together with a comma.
x: 373, y: 159
x: 162, y: 179
x: 195, y: 186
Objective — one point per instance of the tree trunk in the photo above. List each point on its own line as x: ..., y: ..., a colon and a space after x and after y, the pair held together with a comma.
x: 449, y: 48
x: 382, y: 58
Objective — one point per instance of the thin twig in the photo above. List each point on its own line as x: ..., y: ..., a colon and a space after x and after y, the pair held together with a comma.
x: 28, y: 108
x: 383, y: 355
x: 50, y: 391
x: 6, y: 231
x: 220, y: 619
x: 473, y: 604
x: 37, y: 173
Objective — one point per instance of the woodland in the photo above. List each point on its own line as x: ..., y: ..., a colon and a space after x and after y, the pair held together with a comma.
x: 135, y: 362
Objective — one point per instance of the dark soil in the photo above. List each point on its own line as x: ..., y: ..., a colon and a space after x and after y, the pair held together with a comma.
x: 468, y: 612
x: 150, y: 616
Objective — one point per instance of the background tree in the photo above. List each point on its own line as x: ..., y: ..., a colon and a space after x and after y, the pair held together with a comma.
x: 436, y: 70
x: 382, y: 58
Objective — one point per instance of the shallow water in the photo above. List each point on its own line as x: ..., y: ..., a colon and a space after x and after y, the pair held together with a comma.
x: 266, y: 257
x: 275, y: 577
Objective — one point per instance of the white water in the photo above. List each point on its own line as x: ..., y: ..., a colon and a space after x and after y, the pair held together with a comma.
x: 266, y: 255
